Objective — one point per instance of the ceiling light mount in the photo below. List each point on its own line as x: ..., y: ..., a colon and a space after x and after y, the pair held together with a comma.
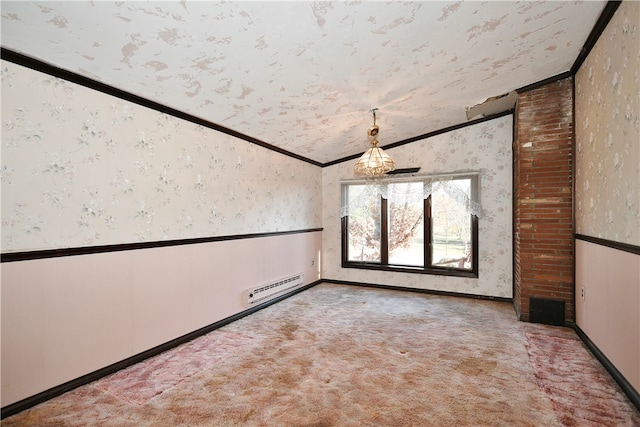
x: 374, y: 162
x: 373, y: 131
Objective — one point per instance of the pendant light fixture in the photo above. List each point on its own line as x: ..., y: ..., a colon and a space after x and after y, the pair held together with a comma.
x: 374, y: 162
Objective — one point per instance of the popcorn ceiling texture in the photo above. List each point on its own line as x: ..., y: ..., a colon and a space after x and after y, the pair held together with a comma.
x: 300, y: 74
x: 81, y: 168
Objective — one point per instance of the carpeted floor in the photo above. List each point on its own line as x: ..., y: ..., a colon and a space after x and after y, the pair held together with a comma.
x: 349, y: 356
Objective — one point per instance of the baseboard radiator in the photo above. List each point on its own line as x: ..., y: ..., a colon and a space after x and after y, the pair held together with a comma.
x: 273, y: 289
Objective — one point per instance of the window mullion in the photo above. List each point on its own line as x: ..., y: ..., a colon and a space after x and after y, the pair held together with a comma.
x: 474, y: 244
x: 384, y: 232
x: 344, y: 241
x: 427, y: 232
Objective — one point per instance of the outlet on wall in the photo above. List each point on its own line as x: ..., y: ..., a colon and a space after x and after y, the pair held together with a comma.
x: 582, y: 293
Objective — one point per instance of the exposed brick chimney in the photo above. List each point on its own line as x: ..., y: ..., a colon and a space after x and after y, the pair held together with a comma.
x: 543, y: 201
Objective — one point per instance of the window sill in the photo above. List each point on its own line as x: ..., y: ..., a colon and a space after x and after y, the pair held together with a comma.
x: 442, y: 271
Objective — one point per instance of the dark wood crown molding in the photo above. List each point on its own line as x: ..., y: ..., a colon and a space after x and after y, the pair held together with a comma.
x: 43, y: 67
x: 602, y: 22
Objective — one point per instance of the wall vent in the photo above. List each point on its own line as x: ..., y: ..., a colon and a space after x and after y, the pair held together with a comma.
x: 546, y: 311
x: 273, y: 289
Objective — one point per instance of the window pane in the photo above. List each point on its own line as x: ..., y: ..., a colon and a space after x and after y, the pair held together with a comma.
x: 364, y: 225
x: 451, y: 225
x: 406, y: 224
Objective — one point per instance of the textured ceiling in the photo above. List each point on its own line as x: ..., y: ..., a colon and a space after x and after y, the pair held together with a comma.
x: 303, y: 75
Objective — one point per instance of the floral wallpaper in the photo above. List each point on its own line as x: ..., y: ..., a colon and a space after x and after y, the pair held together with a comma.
x: 608, y: 132
x: 81, y: 168
x: 484, y: 147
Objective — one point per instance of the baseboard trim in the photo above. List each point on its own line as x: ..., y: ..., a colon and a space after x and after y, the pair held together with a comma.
x: 31, y: 401
x: 617, y: 376
x: 422, y: 291
x: 56, y: 391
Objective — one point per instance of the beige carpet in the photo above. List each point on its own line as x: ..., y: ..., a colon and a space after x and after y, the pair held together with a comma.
x: 350, y: 356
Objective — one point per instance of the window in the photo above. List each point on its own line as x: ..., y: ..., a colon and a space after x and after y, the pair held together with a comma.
x: 418, y: 224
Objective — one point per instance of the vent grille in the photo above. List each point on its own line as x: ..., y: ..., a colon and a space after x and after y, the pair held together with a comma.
x: 273, y: 289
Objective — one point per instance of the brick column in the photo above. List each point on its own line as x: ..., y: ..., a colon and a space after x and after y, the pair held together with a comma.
x: 543, y: 197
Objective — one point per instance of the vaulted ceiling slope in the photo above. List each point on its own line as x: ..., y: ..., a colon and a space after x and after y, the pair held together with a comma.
x: 303, y: 75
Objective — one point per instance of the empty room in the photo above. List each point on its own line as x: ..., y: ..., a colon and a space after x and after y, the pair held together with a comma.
x: 295, y: 213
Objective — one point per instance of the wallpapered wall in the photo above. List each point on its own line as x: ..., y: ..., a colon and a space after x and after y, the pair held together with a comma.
x: 81, y: 168
x: 485, y: 147
x: 607, y: 195
x: 608, y: 132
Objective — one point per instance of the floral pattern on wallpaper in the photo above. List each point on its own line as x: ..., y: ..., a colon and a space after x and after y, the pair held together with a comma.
x: 608, y: 132
x: 81, y: 168
x: 484, y: 147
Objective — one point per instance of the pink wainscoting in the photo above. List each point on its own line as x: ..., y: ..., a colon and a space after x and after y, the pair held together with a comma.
x: 66, y: 317
x: 609, y: 313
